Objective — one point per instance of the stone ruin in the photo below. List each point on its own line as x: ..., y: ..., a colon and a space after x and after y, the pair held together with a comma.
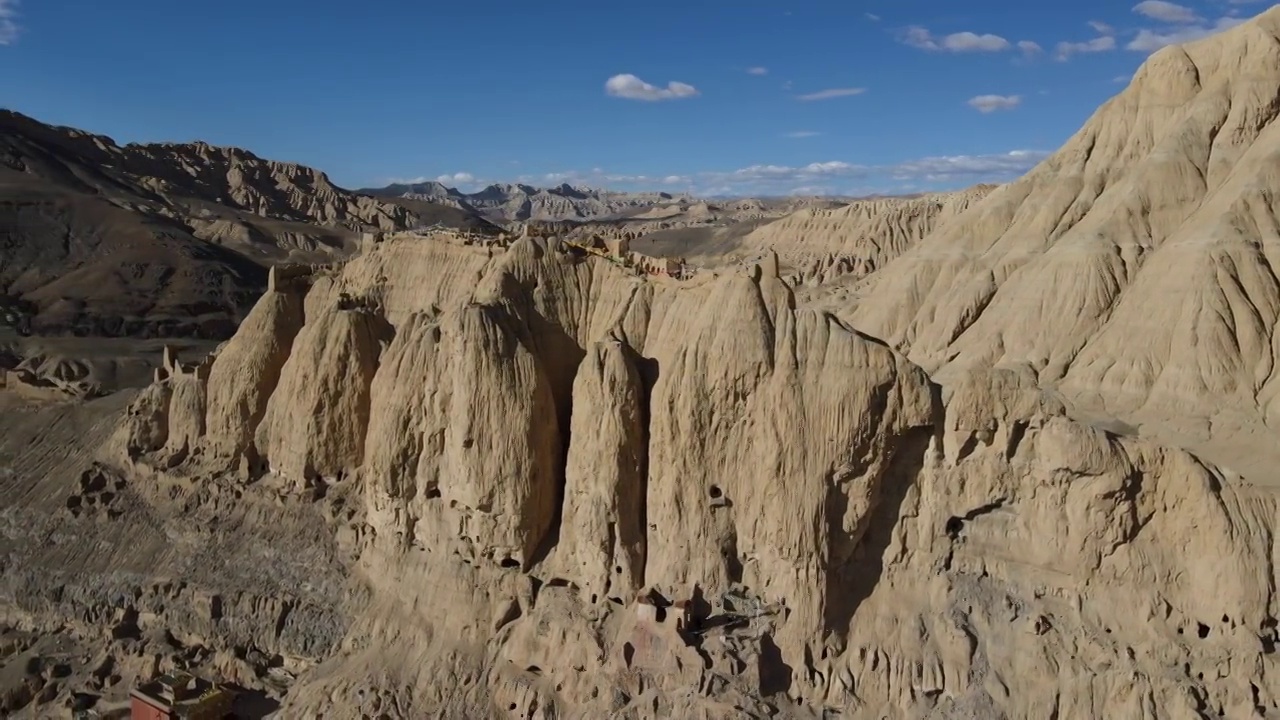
x: 619, y: 248
x: 457, y: 237
x: 172, y: 367
x: 294, y: 277
x: 359, y: 303
x: 616, y: 247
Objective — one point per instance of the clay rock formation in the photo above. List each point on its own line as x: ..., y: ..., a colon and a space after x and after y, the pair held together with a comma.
x: 314, y: 418
x: 1132, y: 267
x: 602, y: 536
x: 574, y: 492
x: 536, y: 438
x: 511, y: 428
x: 247, y: 368
x: 823, y: 244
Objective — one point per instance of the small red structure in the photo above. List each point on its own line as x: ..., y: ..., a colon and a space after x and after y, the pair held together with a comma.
x: 179, y: 696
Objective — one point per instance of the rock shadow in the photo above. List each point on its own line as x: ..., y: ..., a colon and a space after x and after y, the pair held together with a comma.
x: 252, y: 704
x: 775, y: 673
x: 851, y: 584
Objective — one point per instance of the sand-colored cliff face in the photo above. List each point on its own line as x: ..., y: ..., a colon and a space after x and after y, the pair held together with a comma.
x: 821, y: 244
x: 499, y: 450
x: 531, y: 438
x: 1135, y: 265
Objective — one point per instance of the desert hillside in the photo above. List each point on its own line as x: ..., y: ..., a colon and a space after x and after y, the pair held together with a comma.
x: 518, y: 452
x: 1134, y: 267
x: 1017, y: 465
x: 164, y: 239
x: 820, y: 244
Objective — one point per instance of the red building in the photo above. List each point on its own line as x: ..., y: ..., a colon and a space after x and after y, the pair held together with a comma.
x: 179, y: 696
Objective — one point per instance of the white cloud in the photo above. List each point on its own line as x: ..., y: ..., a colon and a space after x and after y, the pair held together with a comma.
x: 1105, y: 42
x: 967, y: 41
x: 1148, y: 40
x: 1119, y: 79
x: 1064, y: 50
x: 803, y: 134
x: 920, y: 37
x: 458, y: 180
x: 992, y: 103
x: 757, y: 71
x: 462, y: 178
x: 1166, y: 11
x: 1030, y: 48
x: 831, y: 93
x: 956, y: 169
x: 631, y: 87
x: 675, y: 180
x: 1006, y: 165
x: 873, y: 17
x: 1188, y: 26
x: 810, y: 190
x: 786, y: 85
x: 8, y: 21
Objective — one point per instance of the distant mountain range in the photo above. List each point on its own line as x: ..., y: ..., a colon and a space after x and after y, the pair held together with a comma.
x: 515, y: 202
x: 168, y: 238
x: 174, y: 239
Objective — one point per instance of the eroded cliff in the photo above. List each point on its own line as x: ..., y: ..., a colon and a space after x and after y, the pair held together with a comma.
x: 575, y: 492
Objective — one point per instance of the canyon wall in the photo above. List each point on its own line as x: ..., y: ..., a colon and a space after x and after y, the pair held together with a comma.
x: 543, y: 446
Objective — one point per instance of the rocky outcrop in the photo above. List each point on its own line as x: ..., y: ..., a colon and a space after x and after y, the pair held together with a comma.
x: 567, y: 491
x: 247, y: 370
x: 854, y: 240
x: 315, y: 419
x: 1133, y: 267
x: 549, y: 458
x: 603, y: 532
x: 561, y: 430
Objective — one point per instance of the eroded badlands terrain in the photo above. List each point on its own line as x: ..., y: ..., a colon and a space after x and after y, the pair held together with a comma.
x: 1002, y: 453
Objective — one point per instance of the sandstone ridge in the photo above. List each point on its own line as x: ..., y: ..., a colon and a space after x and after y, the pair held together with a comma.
x: 823, y: 244
x: 540, y: 454
x: 456, y: 480
x: 1133, y: 268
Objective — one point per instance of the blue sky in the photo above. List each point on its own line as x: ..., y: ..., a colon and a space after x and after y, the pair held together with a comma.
x: 712, y: 96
